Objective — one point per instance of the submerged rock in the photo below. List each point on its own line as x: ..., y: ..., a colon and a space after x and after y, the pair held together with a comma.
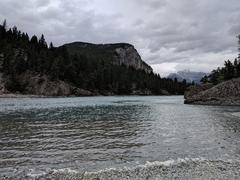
x: 226, y: 93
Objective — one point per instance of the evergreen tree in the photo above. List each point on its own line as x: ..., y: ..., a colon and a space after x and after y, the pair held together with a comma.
x: 184, y: 82
x: 15, y: 33
x: 4, y: 25
x: 204, y: 79
x: 229, y: 70
x: 34, y: 40
x: 42, y: 42
x: 238, y: 46
x: 3, y: 29
x: 51, y: 45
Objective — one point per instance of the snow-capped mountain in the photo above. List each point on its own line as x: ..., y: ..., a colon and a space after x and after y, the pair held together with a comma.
x: 188, y: 75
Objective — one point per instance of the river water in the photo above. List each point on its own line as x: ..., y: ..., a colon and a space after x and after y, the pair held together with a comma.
x: 152, y: 137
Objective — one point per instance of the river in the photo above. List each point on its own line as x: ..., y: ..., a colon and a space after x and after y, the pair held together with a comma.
x: 153, y: 137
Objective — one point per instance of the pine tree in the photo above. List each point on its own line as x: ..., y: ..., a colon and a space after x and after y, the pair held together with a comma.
x: 229, y: 70
x: 238, y: 46
x: 42, y: 42
x: 27, y: 37
x: 237, y: 67
x: 204, y: 79
x: 15, y: 32
x: 34, y: 40
x: 51, y: 46
x: 3, y: 29
x: 4, y: 24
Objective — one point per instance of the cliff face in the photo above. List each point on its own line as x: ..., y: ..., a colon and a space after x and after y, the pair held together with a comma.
x: 226, y: 93
x: 130, y: 57
x: 117, y: 54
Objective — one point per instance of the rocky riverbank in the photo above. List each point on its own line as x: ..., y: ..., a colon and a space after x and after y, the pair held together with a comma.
x: 34, y: 85
x: 226, y: 93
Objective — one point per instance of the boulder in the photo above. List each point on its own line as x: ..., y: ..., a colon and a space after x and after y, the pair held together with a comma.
x: 82, y: 92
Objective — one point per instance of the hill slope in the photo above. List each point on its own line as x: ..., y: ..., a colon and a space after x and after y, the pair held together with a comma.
x: 117, y: 54
x: 29, y: 66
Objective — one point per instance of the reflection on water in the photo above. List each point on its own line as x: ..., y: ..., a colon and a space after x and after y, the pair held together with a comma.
x: 100, y: 132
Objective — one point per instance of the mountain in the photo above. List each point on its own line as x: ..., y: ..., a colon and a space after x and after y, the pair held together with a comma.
x: 117, y: 54
x: 189, y: 76
x: 29, y: 66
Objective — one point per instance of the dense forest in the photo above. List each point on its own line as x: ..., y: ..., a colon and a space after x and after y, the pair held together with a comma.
x: 21, y: 54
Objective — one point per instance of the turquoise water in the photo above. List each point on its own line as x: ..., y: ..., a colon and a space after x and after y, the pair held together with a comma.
x: 42, y: 135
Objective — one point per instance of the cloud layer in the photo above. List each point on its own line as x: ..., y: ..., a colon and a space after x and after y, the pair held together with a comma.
x: 170, y: 35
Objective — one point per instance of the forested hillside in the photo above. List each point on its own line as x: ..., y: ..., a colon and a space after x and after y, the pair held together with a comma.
x: 21, y: 55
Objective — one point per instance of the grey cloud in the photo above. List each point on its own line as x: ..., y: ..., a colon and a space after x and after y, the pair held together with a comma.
x: 42, y: 2
x: 152, y: 4
x: 164, y: 31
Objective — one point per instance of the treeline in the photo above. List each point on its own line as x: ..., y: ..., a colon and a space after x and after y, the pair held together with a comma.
x: 21, y: 54
x: 229, y: 71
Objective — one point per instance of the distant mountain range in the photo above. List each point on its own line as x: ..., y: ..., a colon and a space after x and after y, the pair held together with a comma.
x: 189, y: 76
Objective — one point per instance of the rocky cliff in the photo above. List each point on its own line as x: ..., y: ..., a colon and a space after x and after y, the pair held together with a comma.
x: 226, y: 93
x: 117, y: 54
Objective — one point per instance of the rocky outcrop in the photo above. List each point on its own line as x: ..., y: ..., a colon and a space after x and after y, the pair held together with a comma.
x: 41, y: 85
x: 196, y: 89
x: 129, y: 56
x: 226, y: 93
x: 117, y: 54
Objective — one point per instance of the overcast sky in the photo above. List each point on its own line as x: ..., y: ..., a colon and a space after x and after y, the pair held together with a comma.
x: 170, y: 35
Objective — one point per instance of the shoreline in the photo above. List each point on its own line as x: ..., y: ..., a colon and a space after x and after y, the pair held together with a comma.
x: 213, y: 102
x: 21, y: 96
x: 71, y: 96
